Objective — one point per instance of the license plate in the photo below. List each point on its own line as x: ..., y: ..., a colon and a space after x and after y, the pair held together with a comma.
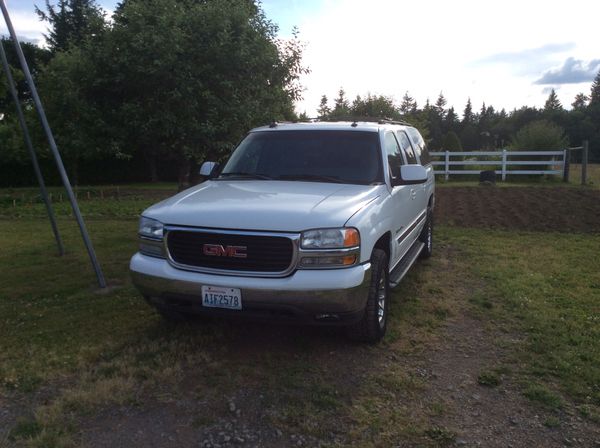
x: 221, y: 297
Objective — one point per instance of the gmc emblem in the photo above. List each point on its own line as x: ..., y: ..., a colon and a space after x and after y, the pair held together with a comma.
x: 217, y: 250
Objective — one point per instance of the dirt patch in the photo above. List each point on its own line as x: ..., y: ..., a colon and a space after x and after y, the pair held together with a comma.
x: 487, y: 409
x: 521, y: 208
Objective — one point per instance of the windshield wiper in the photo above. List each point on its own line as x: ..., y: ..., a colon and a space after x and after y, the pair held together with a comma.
x: 247, y: 175
x: 312, y: 177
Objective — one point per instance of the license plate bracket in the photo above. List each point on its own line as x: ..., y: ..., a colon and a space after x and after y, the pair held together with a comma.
x: 221, y: 297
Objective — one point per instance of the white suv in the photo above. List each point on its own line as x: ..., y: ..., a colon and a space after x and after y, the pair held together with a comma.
x: 309, y: 222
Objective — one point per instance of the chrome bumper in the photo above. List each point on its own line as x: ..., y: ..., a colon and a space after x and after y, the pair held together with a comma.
x: 315, y: 295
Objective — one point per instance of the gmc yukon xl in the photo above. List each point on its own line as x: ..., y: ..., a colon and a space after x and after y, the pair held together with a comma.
x: 309, y: 222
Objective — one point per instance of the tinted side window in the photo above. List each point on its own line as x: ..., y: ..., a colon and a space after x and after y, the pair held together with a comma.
x: 411, y: 159
x: 420, y: 146
x: 393, y: 154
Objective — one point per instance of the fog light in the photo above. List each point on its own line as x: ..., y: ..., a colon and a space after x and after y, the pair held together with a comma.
x: 151, y: 249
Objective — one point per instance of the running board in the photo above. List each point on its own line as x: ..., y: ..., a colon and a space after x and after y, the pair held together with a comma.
x: 404, y: 265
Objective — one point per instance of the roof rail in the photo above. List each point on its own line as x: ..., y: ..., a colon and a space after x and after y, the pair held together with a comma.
x: 351, y: 119
x: 356, y: 119
x: 400, y: 122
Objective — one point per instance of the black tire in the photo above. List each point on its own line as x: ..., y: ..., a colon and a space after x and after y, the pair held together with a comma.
x: 426, y: 236
x: 371, y: 328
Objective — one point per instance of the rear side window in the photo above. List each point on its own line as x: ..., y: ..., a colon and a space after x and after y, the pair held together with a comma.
x: 394, y: 155
x: 420, y: 146
x: 411, y: 159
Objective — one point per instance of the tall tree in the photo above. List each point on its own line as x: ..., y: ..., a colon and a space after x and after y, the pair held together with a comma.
x: 595, y: 93
x: 451, y: 120
x: 192, y: 76
x: 440, y: 105
x: 341, y: 105
x: 468, y: 113
x: 408, y: 105
x: 71, y: 22
x: 324, y: 110
x: 468, y: 132
x: 552, y: 103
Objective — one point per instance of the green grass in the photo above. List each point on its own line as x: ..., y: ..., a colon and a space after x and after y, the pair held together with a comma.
x: 490, y: 379
x: 96, y: 350
x: 546, y: 285
x: 544, y: 396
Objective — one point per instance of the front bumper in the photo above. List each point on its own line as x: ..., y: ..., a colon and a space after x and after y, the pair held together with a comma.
x: 309, y: 296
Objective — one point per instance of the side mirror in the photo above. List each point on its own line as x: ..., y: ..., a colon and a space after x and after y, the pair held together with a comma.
x: 209, y: 169
x: 412, y: 174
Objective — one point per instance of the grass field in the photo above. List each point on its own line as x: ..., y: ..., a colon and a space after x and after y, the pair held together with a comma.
x: 75, y: 361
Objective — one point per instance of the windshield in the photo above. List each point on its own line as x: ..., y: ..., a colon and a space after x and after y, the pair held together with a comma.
x: 351, y: 157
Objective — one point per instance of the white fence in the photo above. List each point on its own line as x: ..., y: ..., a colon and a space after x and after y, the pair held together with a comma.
x: 500, y: 162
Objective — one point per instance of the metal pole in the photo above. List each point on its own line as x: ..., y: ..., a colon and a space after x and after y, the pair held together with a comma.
x: 584, y: 162
x: 53, y: 147
x: 36, y: 166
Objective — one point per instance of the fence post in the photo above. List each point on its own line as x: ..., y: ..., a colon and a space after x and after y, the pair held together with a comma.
x: 584, y: 162
x: 566, y: 164
x: 503, y: 165
x: 447, y: 164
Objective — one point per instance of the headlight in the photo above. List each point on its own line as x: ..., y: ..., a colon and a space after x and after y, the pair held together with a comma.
x: 151, y: 228
x: 330, y: 238
x: 329, y: 248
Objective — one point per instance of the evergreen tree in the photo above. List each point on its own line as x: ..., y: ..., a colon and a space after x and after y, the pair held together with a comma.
x: 324, y: 109
x: 440, y: 104
x: 408, y: 105
x: 451, y: 120
x: 71, y: 22
x: 468, y: 113
x: 595, y: 93
x: 342, y: 107
x: 552, y: 103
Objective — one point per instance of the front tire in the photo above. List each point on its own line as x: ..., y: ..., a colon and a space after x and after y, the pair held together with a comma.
x: 373, y: 324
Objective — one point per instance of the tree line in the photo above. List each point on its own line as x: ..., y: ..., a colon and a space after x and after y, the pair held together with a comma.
x: 550, y: 127
x: 149, y: 93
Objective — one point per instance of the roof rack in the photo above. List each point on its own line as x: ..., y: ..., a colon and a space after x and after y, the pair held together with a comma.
x: 351, y: 119
x: 400, y: 122
x: 356, y: 119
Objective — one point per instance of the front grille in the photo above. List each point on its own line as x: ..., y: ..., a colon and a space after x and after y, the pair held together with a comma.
x: 264, y: 253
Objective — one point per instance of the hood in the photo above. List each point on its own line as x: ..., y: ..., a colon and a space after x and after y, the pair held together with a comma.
x: 264, y: 205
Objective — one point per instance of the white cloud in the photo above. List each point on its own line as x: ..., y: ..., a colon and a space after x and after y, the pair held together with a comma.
x: 27, y: 25
x: 389, y: 46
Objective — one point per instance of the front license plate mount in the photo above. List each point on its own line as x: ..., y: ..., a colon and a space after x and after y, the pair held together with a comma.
x: 221, y: 297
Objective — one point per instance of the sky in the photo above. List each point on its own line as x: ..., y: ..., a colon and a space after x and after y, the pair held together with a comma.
x: 507, y: 54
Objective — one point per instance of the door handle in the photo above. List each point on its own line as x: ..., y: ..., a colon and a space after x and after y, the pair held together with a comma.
x: 413, y: 193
